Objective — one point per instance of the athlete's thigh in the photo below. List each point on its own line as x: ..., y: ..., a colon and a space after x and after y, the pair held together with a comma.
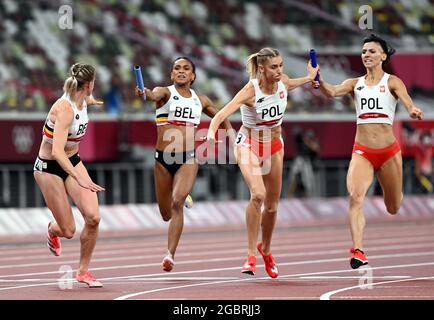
x: 250, y: 167
x: 163, y: 187
x: 273, y: 180
x: 360, y: 175
x: 184, y: 179
x: 85, y: 199
x: 56, y: 197
x: 390, y: 178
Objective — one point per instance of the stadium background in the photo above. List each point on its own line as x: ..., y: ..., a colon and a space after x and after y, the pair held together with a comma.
x: 36, y: 50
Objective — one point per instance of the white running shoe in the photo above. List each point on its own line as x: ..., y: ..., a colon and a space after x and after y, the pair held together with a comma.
x: 188, y: 202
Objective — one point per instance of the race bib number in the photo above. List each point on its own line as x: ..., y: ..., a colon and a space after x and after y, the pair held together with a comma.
x: 241, y: 137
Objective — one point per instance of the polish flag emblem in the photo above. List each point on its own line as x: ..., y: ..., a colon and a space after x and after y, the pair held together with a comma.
x: 382, y: 88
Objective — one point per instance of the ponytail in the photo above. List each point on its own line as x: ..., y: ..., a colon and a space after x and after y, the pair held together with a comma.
x: 70, y: 86
x: 255, y: 59
x: 80, y: 74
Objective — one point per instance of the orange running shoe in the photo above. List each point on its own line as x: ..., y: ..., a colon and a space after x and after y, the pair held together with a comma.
x: 88, y: 278
x: 250, y: 266
x: 358, y: 258
x: 270, y: 264
x: 168, y: 262
x: 53, y: 242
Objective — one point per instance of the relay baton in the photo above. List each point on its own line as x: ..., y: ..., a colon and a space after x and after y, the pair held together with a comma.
x: 313, y: 63
x: 139, y: 79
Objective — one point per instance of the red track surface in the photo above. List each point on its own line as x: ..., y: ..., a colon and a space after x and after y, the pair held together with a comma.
x: 313, y: 264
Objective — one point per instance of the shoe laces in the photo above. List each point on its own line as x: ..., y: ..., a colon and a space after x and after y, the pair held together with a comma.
x: 270, y: 259
x: 251, y: 260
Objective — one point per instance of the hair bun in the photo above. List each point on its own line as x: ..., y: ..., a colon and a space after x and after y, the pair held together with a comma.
x: 75, y: 69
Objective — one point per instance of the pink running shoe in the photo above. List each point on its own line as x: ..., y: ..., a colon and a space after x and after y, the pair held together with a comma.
x: 89, y: 279
x: 270, y: 264
x: 250, y: 266
x: 53, y: 242
x: 168, y: 263
x: 358, y: 258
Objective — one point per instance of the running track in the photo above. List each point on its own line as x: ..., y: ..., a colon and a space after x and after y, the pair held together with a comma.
x: 313, y: 264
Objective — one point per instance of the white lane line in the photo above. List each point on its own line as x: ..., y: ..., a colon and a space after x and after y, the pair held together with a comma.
x: 200, y: 261
x: 30, y: 280
x: 124, y: 297
x: 217, y: 253
x: 217, y: 282
x: 108, y: 248
x: 351, y: 277
x: 327, y: 295
x: 386, y: 297
x: 183, y: 279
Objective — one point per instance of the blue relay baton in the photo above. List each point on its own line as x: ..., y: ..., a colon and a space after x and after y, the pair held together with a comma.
x: 139, y: 79
x: 313, y: 63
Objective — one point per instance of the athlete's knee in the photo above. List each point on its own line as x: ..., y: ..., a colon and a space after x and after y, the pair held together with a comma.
x: 257, y: 197
x: 92, y: 220
x: 68, y: 232
x: 356, y: 198
x: 166, y: 215
x: 393, y: 208
x: 270, y: 209
x: 165, y: 211
x: 177, y: 202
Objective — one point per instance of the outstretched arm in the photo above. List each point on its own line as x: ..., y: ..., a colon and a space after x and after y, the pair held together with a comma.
x: 157, y: 94
x: 210, y: 110
x: 296, y: 82
x: 398, y: 87
x: 90, y: 100
x: 337, y: 90
x: 243, y: 96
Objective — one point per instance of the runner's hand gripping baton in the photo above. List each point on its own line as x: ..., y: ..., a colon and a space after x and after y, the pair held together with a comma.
x: 139, y: 79
x: 313, y: 63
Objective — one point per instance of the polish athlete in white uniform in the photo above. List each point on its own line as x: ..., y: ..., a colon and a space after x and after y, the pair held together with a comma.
x: 376, y: 150
x: 259, y: 146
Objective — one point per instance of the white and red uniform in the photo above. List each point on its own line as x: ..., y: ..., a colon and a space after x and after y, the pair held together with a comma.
x: 375, y: 104
x: 266, y: 113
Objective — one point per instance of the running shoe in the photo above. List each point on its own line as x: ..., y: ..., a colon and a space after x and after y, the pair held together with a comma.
x: 168, y: 263
x: 53, y: 242
x: 188, y: 203
x: 358, y: 258
x: 250, y: 266
x: 88, y: 278
x: 270, y: 264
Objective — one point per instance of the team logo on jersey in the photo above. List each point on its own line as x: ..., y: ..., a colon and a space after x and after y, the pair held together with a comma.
x: 382, y: 89
x: 77, y: 116
x: 360, y: 88
x: 260, y: 100
x: 281, y: 94
x: 175, y: 98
